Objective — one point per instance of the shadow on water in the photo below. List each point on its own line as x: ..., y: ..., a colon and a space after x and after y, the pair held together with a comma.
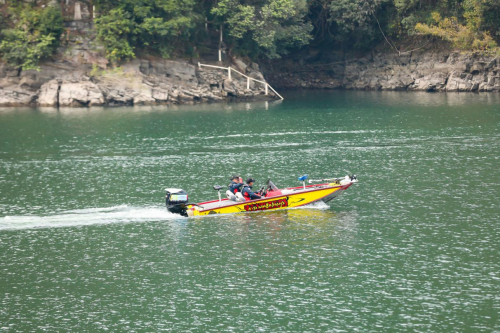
x: 391, y: 99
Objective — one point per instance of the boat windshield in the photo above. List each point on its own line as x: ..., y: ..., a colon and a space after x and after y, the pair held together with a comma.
x: 271, y: 185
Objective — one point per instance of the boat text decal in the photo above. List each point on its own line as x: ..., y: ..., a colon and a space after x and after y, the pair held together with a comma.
x: 267, y: 205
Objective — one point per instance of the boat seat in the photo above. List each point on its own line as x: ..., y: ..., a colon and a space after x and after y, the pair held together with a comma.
x: 239, y: 197
x: 218, y: 187
x: 230, y: 195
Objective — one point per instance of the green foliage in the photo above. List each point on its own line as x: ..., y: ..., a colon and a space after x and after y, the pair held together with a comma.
x: 350, y: 15
x: 268, y: 28
x: 155, y: 25
x: 114, y: 31
x: 362, y: 24
x: 96, y: 71
x: 491, y: 18
x: 464, y: 37
x: 271, y: 28
x: 256, y: 28
x: 33, y: 35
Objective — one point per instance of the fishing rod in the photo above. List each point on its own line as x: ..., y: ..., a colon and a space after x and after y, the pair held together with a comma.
x: 330, y: 179
x: 322, y: 180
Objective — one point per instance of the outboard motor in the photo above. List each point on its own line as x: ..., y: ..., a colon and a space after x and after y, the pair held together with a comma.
x: 176, y: 201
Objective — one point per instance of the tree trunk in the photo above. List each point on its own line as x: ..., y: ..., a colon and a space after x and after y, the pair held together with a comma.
x: 91, y: 10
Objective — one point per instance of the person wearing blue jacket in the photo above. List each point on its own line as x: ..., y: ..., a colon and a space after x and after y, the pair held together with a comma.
x: 248, y: 194
x: 236, y: 184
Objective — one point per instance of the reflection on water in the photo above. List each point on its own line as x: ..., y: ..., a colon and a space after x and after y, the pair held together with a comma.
x: 396, y: 98
x: 198, y: 108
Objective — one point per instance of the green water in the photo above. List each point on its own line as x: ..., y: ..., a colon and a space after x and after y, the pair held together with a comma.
x: 86, y: 245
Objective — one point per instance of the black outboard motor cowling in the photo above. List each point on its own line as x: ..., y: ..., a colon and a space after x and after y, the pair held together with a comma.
x: 176, y: 201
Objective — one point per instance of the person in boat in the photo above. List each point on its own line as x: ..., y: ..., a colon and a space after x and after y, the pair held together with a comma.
x: 234, y: 188
x: 248, y: 194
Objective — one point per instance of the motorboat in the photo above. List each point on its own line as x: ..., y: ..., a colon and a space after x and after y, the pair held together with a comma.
x: 271, y: 197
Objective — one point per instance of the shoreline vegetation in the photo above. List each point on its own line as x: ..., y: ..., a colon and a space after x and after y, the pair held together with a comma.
x: 119, y: 52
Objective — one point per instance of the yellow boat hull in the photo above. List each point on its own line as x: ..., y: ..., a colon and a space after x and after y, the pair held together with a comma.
x: 291, y: 200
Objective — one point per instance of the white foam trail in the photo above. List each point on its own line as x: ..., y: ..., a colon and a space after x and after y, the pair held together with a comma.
x: 88, y: 216
x: 315, y: 205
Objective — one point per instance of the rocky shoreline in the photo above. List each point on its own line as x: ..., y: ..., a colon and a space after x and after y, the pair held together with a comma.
x: 75, y: 78
x: 431, y: 70
x: 139, y: 82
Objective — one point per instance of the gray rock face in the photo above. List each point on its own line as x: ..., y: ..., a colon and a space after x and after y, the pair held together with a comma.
x: 116, y: 97
x: 16, y: 97
x: 143, y: 99
x: 240, y: 65
x: 432, y: 82
x: 160, y: 95
x: 174, y: 72
x: 419, y: 71
x: 140, y: 82
x: 49, y: 94
x: 82, y: 93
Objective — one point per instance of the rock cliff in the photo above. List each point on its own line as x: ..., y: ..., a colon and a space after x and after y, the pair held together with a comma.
x: 420, y: 71
x: 139, y: 82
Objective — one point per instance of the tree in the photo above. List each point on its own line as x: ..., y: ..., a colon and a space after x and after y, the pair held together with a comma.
x: 268, y: 28
x: 154, y: 25
x: 114, y: 30
x: 351, y: 23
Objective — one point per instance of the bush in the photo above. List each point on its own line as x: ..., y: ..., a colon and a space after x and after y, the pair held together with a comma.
x: 114, y: 30
x: 34, y: 34
x: 461, y: 36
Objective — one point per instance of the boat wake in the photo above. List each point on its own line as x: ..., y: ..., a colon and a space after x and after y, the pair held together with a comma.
x: 89, y: 216
x: 315, y: 205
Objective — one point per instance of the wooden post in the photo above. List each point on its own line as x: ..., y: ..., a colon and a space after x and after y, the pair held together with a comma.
x: 220, y: 44
x: 248, y: 83
x: 229, y: 73
x: 266, y: 89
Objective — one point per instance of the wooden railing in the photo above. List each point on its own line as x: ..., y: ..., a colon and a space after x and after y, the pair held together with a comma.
x: 230, y: 70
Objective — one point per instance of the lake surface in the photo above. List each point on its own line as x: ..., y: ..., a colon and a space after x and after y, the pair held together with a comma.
x: 87, y: 245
